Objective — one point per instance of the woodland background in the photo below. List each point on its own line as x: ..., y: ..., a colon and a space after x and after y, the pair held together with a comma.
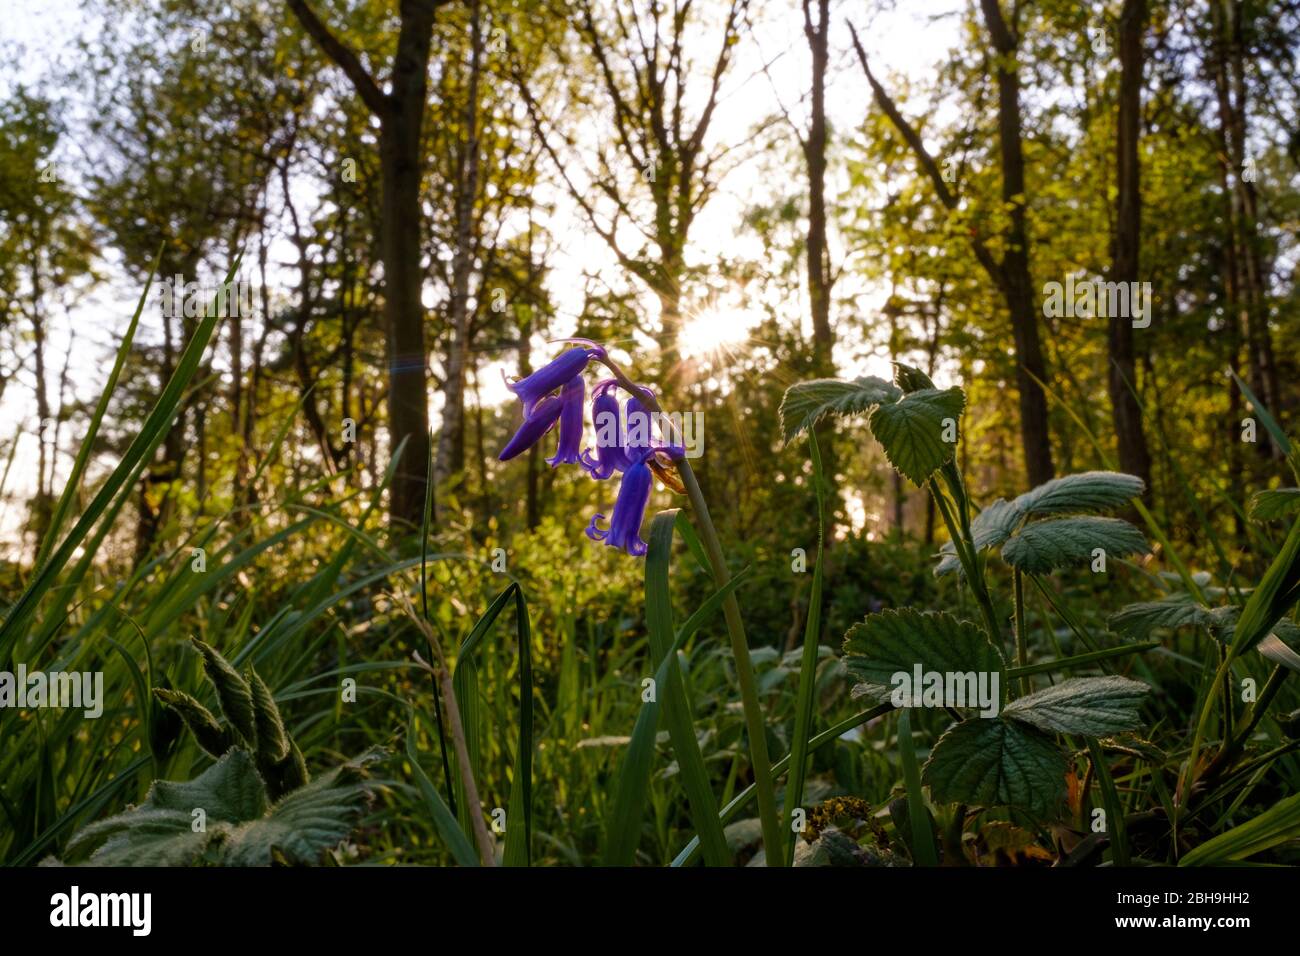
x: 426, y: 195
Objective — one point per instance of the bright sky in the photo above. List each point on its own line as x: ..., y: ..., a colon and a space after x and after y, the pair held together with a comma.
x: 908, y: 41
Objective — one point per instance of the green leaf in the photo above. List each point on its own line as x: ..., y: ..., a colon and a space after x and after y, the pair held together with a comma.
x: 1274, y: 596
x: 1276, y: 503
x: 211, y: 736
x: 1093, y: 706
x: 1044, y: 546
x: 910, y: 379
x: 272, y: 741
x: 996, y: 763
x: 159, y: 832
x: 988, y: 529
x: 807, y: 403
x: 305, y: 823
x: 911, y: 431
x: 676, y: 704
x: 896, y: 641
x: 229, y: 790
x: 1089, y: 492
x: 444, y: 820
x: 1278, y: 824
x: 233, y: 692
x: 1138, y: 621
x: 625, y: 823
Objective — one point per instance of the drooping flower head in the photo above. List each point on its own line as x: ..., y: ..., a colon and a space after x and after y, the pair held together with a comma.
x: 542, y: 408
x: 554, y: 374
x: 628, y: 446
x: 629, y: 508
x: 572, y: 399
x: 542, y: 419
x: 611, y: 455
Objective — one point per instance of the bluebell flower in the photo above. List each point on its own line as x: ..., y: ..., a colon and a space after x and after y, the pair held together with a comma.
x: 629, y: 511
x: 610, y: 453
x: 537, y: 422
x: 572, y: 400
x: 633, y: 495
x: 626, y: 446
x: 554, y: 374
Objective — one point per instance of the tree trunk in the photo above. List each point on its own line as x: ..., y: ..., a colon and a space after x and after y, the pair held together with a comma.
x: 1017, y: 283
x: 450, y: 460
x: 1248, y: 305
x: 401, y: 117
x: 1121, y: 377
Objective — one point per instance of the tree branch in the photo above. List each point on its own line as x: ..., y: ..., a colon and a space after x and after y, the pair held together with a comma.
x: 342, y: 55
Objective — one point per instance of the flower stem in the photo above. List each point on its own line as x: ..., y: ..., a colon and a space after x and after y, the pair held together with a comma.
x: 755, y: 725
x: 754, y: 722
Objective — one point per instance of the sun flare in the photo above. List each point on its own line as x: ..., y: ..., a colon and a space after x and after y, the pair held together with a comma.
x: 714, y: 332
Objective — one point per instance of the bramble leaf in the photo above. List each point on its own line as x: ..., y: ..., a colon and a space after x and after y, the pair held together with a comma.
x: 912, y: 431
x: 1044, y: 546
x: 807, y: 403
x: 994, y: 762
x: 896, y: 641
x: 1093, y: 706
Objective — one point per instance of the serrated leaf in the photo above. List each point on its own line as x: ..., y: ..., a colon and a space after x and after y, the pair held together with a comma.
x: 1091, y: 492
x: 211, y: 736
x: 909, y: 378
x: 893, y: 642
x: 807, y: 403
x: 1093, y: 706
x: 911, y: 431
x: 1045, y: 546
x: 233, y: 692
x: 1275, y: 503
x: 307, y: 822
x: 239, y: 829
x: 1137, y: 621
x: 988, y: 529
x: 272, y: 741
x: 159, y: 831
x: 228, y: 790
x: 993, y: 762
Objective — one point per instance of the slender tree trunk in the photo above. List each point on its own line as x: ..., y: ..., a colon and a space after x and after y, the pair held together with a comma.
x: 1011, y: 275
x: 1134, y: 456
x: 1017, y: 282
x: 450, y: 460
x: 818, y: 259
x: 400, y: 110
x: 1248, y: 305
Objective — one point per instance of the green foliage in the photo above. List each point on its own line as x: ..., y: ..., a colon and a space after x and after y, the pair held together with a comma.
x: 910, y: 424
x: 1275, y: 503
x: 807, y: 403
x: 1046, y: 546
x: 1093, y: 706
x: 1060, y: 544
x: 911, y: 431
x: 997, y: 762
x: 225, y: 817
x: 895, y: 641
